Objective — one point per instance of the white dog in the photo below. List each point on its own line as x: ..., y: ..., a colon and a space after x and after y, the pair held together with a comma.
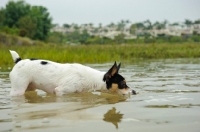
x: 60, y: 79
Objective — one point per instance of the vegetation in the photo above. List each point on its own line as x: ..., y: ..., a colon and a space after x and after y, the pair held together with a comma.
x: 20, y: 18
x: 99, y: 53
x: 84, y: 38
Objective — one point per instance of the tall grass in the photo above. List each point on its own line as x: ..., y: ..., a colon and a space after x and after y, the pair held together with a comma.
x: 99, y: 53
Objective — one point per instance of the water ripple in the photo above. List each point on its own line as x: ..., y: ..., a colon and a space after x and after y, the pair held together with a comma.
x: 172, y: 85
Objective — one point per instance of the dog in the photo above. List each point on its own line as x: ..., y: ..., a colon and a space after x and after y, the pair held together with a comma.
x: 61, y: 79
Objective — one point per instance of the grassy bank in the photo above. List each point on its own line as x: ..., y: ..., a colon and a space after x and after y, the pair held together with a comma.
x: 100, y: 53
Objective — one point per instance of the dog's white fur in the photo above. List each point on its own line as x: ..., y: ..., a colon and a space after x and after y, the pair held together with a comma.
x: 53, y: 77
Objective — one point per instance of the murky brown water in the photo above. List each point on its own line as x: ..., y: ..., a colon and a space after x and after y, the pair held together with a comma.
x: 168, y: 100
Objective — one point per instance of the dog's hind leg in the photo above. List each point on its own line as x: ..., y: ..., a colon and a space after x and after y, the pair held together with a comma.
x: 18, y: 85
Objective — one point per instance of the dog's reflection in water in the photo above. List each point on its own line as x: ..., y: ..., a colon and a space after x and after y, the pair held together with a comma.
x: 33, y: 97
x: 113, y: 116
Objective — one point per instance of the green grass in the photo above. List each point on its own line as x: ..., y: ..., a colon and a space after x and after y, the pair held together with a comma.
x: 99, y: 53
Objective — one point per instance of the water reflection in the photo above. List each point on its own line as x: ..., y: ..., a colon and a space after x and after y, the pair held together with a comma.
x: 35, y: 108
x: 85, y: 98
x: 173, y: 106
x: 113, y: 116
x: 33, y: 97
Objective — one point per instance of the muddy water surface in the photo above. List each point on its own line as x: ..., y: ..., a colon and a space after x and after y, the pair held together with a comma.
x: 168, y: 99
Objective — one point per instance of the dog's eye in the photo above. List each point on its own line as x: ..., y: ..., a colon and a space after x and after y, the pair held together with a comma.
x: 124, y: 85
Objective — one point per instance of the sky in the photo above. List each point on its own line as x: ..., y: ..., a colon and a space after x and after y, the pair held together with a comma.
x: 107, y: 11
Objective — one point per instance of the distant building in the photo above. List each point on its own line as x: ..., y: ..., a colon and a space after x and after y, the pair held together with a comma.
x: 112, y: 31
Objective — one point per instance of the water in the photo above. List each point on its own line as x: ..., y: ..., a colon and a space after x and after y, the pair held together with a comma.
x: 168, y: 99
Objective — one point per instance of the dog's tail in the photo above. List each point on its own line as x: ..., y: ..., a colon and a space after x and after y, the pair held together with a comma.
x: 15, y: 56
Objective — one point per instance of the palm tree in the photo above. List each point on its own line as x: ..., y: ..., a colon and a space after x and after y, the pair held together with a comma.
x: 174, y: 24
x: 133, y: 29
x: 188, y: 22
x: 159, y: 25
x: 100, y: 25
x: 164, y: 24
x: 127, y: 22
x: 148, y: 25
x: 111, y: 25
x: 66, y: 25
x: 197, y: 21
x: 91, y: 24
x: 139, y: 25
x: 76, y: 27
x: 121, y: 25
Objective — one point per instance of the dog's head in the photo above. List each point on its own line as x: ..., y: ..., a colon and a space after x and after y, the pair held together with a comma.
x: 115, y: 82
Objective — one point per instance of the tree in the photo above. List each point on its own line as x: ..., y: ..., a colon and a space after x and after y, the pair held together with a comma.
x: 32, y: 21
x: 119, y: 38
x: 133, y: 28
x: 175, y: 24
x: 127, y: 22
x: 56, y: 37
x: 148, y: 25
x: 94, y: 40
x: 84, y: 37
x: 42, y: 17
x: 164, y: 23
x: 188, y: 23
x: 100, y: 25
x: 2, y: 16
x: 197, y: 21
x: 26, y: 23
x: 66, y: 25
x: 121, y: 25
x: 14, y: 11
x: 111, y: 25
x: 91, y: 25
x: 75, y: 26
x: 159, y: 25
x: 140, y: 25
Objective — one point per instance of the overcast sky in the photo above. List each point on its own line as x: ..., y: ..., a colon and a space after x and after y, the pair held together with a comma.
x: 107, y: 11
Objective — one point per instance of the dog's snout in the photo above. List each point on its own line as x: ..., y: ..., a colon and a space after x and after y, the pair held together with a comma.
x: 133, y: 92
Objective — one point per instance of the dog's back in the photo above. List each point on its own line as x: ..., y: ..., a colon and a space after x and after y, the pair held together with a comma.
x: 29, y: 74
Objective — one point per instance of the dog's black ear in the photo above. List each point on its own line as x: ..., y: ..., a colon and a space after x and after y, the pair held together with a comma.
x: 113, y: 70
x: 118, y: 67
